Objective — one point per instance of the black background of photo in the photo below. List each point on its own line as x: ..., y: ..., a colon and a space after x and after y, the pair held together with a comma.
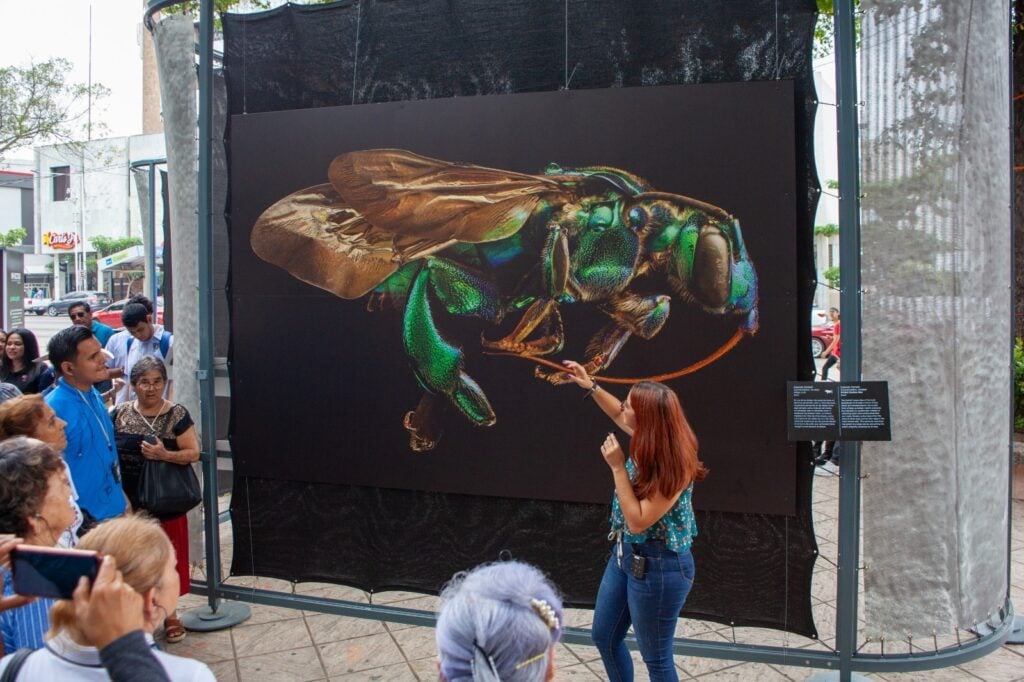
x: 727, y: 144
x: 753, y: 568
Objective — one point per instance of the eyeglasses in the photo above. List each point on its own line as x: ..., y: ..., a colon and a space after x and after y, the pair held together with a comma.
x: 146, y: 385
x: 75, y: 316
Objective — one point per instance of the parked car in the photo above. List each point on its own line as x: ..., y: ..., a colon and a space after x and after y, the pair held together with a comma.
x: 37, y: 306
x: 821, y: 337
x: 95, y: 299
x: 111, y: 315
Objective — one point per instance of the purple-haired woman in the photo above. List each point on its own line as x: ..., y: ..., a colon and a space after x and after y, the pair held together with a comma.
x: 499, y: 623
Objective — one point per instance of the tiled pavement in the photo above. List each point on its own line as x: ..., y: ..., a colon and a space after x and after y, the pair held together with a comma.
x: 279, y: 644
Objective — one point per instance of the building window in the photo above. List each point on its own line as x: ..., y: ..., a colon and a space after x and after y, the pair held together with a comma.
x: 61, y: 183
x: 831, y: 263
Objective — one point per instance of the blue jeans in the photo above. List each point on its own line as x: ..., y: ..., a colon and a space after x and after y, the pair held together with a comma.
x: 650, y: 604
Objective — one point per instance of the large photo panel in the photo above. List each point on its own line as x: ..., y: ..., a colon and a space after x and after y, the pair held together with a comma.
x: 399, y: 248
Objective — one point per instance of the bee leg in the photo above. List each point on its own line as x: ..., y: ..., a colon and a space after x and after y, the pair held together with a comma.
x: 438, y: 364
x: 424, y: 431
x: 643, y: 316
x: 542, y: 313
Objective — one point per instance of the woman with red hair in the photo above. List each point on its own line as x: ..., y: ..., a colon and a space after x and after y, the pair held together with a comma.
x: 650, y: 571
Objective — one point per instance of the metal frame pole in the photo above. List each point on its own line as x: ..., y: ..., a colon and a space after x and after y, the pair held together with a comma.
x: 218, y: 615
x: 150, y: 254
x: 151, y: 236
x: 206, y: 394
x: 849, y: 507
x: 849, y: 296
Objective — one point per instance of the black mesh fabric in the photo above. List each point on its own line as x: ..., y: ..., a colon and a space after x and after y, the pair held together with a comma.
x: 753, y: 569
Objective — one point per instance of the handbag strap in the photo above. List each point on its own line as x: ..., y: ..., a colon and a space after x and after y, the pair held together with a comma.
x: 14, y: 665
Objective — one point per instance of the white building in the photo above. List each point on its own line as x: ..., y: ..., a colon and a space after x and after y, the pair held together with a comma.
x: 826, y: 239
x: 86, y: 190
x: 16, y: 205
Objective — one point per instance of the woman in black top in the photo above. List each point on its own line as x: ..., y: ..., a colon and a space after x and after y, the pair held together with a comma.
x: 20, y: 364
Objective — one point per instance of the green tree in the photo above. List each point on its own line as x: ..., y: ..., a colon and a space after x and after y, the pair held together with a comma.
x: 13, y: 237
x: 824, y: 30
x: 38, y: 103
x: 832, y: 275
x: 105, y: 246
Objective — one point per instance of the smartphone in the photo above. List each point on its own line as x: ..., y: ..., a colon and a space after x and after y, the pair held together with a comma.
x: 150, y: 439
x: 50, y: 571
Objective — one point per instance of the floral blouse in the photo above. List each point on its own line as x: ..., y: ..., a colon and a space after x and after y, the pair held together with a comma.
x: 677, y: 528
x: 129, y: 430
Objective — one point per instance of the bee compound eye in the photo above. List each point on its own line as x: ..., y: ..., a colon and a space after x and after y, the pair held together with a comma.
x: 711, y: 268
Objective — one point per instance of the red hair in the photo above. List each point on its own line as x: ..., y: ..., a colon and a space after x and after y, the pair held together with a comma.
x: 663, y: 446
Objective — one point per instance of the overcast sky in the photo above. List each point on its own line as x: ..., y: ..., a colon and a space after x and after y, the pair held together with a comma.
x: 43, y: 29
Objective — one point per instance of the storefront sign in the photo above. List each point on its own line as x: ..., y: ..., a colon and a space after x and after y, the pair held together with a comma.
x: 54, y: 241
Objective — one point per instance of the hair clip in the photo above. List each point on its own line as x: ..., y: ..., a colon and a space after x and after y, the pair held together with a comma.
x: 532, y: 659
x: 483, y: 666
x: 546, y: 613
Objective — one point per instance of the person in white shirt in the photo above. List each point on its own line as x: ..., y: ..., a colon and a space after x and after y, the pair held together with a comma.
x: 144, y: 338
x: 146, y: 560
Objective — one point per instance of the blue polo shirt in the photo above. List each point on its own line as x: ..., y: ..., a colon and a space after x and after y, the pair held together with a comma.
x: 91, y: 453
x: 102, y: 332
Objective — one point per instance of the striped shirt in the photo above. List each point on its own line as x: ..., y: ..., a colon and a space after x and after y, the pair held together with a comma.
x: 24, y: 626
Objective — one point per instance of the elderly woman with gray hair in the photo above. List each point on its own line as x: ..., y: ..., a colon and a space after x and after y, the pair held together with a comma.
x: 152, y: 428
x: 499, y: 623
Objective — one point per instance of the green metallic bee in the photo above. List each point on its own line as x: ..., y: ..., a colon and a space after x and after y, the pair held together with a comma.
x: 429, y: 236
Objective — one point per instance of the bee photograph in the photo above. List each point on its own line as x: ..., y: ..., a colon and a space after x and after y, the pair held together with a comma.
x: 425, y: 267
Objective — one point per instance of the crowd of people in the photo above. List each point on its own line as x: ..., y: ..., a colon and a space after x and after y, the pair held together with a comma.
x: 72, y: 467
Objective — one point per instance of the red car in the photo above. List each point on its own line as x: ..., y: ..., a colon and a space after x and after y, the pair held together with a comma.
x: 821, y: 337
x: 111, y: 315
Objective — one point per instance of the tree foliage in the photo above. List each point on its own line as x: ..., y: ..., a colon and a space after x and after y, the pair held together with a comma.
x: 38, y: 103
x: 824, y: 29
x: 13, y: 237
x: 108, y: 245
x: 221, y: 6
x: 832, y: 275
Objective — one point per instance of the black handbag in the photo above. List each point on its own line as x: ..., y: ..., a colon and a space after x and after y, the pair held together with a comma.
x: 167, y: 489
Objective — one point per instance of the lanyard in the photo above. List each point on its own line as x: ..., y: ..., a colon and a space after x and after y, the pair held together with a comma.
x: 92, y: 411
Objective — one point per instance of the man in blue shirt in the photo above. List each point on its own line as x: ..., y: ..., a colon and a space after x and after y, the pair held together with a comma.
x: 81, y: 314
x: 91, y: 453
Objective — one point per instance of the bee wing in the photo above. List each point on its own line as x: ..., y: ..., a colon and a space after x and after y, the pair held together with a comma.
x: 425, y: 201
x: 318, y: 238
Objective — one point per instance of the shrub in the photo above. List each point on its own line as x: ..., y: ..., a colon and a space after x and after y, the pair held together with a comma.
x: 1018, y: 384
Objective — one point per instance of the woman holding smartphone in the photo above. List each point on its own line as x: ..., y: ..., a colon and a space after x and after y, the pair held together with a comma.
x: 145, y: 559
x: 650, y: 571
x: 34, y: 505
x: 152, y: 428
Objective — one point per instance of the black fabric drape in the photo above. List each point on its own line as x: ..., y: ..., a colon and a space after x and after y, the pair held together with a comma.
x: 752, y: 569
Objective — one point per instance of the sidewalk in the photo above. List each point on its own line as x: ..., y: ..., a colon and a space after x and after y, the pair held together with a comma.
x: 278, y: 645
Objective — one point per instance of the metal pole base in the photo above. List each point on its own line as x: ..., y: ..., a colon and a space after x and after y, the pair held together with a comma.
x: 832, y: 675
x: 205, y: 619
x: 1017, y: 633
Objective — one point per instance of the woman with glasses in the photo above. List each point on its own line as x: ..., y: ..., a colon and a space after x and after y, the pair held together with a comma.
x: 152, y: 428
x: 20, y: 364
x: 35, y: 504
x: 650, y: 571
x: 29, y: 415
